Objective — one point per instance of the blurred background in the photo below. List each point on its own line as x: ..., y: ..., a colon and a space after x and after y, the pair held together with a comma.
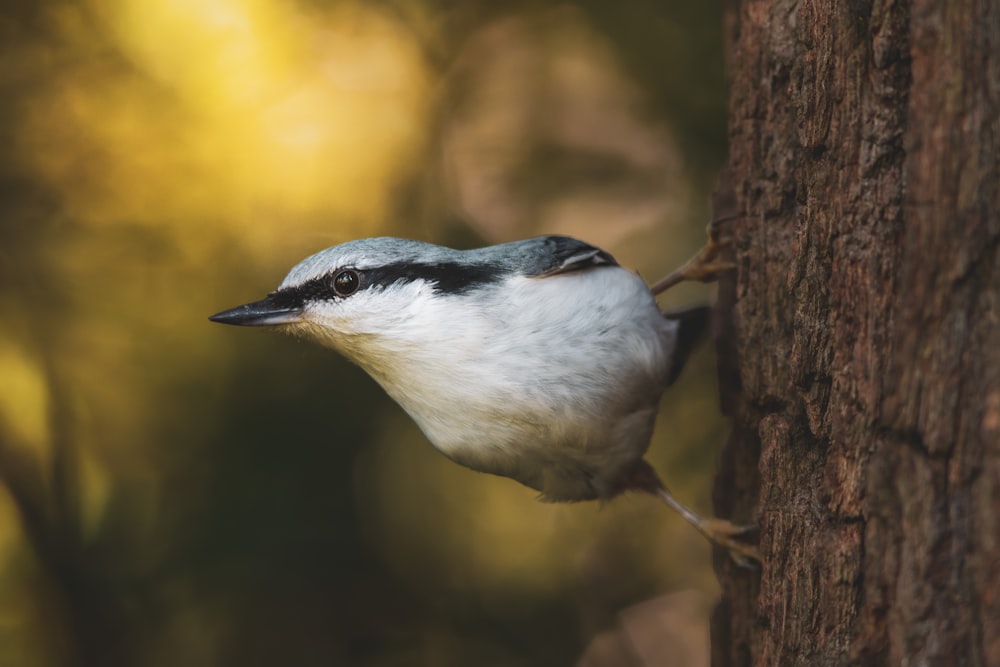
x: 174, y: 492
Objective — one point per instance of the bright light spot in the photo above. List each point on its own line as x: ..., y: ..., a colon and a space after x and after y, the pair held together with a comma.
x: 24, y: 398
x: 252, y: 114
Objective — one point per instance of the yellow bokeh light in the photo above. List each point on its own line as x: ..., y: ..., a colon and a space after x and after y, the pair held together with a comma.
x: 235, y: 111
x: 24, y: 398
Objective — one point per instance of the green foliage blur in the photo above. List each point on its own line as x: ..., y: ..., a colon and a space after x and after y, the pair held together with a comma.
x: 174, y: 492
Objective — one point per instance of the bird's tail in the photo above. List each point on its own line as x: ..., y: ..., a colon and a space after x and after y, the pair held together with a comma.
x: 692, y: 325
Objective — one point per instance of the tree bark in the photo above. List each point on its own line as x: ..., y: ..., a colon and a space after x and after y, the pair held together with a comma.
x: 860, y: 346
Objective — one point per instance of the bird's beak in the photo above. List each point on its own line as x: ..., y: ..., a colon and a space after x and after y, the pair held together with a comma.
x: 266, y: 312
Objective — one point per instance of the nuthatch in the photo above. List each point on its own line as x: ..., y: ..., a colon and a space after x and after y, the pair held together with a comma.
x: 541, y: 360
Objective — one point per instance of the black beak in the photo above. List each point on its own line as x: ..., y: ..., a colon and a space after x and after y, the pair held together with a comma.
x: 266, y: 312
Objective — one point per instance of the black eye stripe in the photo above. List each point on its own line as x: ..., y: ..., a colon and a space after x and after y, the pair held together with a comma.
x: 444, y: 278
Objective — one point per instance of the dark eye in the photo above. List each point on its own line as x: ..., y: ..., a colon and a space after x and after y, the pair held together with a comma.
x: 346, y: 282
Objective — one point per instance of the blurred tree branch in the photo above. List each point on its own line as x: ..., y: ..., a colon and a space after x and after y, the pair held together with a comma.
x: 49, y: 508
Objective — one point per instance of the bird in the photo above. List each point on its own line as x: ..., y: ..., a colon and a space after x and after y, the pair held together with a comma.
x: 542, y: 360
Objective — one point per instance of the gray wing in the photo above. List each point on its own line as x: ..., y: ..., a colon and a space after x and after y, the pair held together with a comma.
x: 563, y: 254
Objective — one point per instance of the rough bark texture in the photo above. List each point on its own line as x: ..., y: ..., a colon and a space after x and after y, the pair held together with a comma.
x: 862, y: 333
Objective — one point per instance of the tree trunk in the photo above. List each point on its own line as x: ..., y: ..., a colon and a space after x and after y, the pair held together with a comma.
x: 860, y: 345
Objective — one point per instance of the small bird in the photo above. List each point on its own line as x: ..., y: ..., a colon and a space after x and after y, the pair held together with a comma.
x: 542, y: 360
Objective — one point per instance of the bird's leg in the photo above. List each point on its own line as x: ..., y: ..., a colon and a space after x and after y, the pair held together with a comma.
x: 705, y: 266
x: 721, y: 532
x: 724, y: 533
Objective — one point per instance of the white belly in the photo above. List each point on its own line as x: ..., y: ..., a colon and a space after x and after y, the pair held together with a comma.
x: 560, y: 394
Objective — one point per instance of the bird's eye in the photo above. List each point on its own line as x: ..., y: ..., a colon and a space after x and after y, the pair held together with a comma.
x: 346, y: 282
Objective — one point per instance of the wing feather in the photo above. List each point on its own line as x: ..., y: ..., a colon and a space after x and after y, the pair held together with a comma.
x: 566, y: 255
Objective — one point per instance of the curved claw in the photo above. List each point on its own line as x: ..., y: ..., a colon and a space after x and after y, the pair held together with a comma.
x: 703, y: 267
x: 730, y: 529
x: 706, y: 265
x: 745, y: 563
x: 724, y: 534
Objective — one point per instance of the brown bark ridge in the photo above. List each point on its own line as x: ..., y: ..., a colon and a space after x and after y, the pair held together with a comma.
x: 860, y: 342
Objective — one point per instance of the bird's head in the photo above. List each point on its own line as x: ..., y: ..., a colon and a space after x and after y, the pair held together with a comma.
x: 372, y: 296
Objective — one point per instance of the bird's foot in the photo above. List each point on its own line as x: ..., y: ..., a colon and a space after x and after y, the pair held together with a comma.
x: 733, y: 537
x: 736, y: 538
x: 706, y: 265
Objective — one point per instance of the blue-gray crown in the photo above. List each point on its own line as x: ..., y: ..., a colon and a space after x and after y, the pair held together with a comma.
x: 384, y: 261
